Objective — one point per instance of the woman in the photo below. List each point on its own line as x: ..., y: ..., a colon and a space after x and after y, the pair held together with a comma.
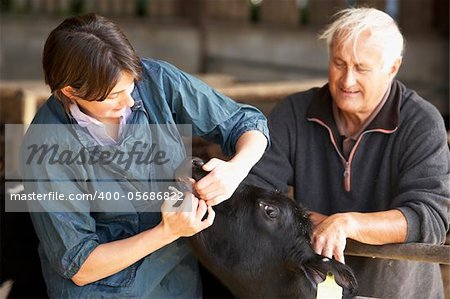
x: 107, y: 104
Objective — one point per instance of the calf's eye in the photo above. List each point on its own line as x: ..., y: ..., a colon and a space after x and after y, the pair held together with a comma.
x: 271, y: 211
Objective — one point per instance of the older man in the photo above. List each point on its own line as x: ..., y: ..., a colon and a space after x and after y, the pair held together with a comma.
x: 366, y: 155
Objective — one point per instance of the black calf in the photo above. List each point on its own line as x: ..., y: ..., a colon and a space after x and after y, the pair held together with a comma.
x: 259, y: 245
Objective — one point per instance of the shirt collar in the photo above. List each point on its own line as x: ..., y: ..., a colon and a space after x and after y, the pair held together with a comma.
x: 387, y: 119
x: 84, y: 120
x: 340, y: 122
x: 96, y: 128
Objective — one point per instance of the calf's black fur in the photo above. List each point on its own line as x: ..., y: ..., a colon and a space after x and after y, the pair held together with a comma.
x: 259, y: 245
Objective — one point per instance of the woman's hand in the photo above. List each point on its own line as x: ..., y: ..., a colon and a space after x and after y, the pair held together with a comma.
x: 221, y: 182
x: 224, y: 177
x: 186, y: 219
x: 112, y: 257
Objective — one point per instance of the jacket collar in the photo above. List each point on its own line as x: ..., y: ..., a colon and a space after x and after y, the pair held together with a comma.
x: 387, y: 120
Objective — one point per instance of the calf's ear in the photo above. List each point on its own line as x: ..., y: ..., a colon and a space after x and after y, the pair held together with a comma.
x: 317, y: 268
x: 190, y: 170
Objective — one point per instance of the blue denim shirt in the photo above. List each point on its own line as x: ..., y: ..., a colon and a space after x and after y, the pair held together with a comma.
x: 164, y: 95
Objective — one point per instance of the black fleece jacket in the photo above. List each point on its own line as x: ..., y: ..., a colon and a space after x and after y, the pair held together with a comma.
x: 401, y: 161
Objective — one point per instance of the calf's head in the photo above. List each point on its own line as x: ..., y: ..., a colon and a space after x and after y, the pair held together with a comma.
x: 259, y: 245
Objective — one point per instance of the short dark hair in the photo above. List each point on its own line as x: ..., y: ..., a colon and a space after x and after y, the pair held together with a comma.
x: 88, y: 53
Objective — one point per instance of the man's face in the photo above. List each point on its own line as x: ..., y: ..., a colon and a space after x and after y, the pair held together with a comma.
x: 357, y: 80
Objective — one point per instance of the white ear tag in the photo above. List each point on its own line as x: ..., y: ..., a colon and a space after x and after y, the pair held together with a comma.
x: 329, y: 289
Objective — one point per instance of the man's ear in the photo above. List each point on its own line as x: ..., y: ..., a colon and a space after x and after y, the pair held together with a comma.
x: 395, y: 67
x: 68, y: 91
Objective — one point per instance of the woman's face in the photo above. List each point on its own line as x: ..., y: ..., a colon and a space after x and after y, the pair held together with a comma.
x: 113, y: 107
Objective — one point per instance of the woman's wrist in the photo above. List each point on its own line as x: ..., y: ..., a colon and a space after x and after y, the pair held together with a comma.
x: 166, y: 235
x: 249, y: 149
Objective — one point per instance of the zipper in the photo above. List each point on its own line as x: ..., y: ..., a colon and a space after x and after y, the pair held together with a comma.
x: 347, y: 186
x: 348, y: 163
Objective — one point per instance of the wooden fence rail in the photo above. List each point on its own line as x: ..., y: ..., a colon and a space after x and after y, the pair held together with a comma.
x: 409, y: 251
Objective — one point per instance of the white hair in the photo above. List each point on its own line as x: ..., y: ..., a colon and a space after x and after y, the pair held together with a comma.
x: 350, y: 23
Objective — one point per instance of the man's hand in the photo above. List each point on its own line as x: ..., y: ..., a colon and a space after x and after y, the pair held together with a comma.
x: 316, y: 218
x: 330, y: 233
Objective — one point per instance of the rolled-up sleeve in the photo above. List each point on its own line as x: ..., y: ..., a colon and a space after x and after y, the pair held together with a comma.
x: 212, y: 115
x: 66, y: 239
x: 244, y: 120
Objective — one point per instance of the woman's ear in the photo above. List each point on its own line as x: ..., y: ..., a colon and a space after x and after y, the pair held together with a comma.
x: 68, y: 91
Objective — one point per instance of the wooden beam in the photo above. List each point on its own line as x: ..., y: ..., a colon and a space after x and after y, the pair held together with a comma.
x: 408, y: 251
x: 268, y: 91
